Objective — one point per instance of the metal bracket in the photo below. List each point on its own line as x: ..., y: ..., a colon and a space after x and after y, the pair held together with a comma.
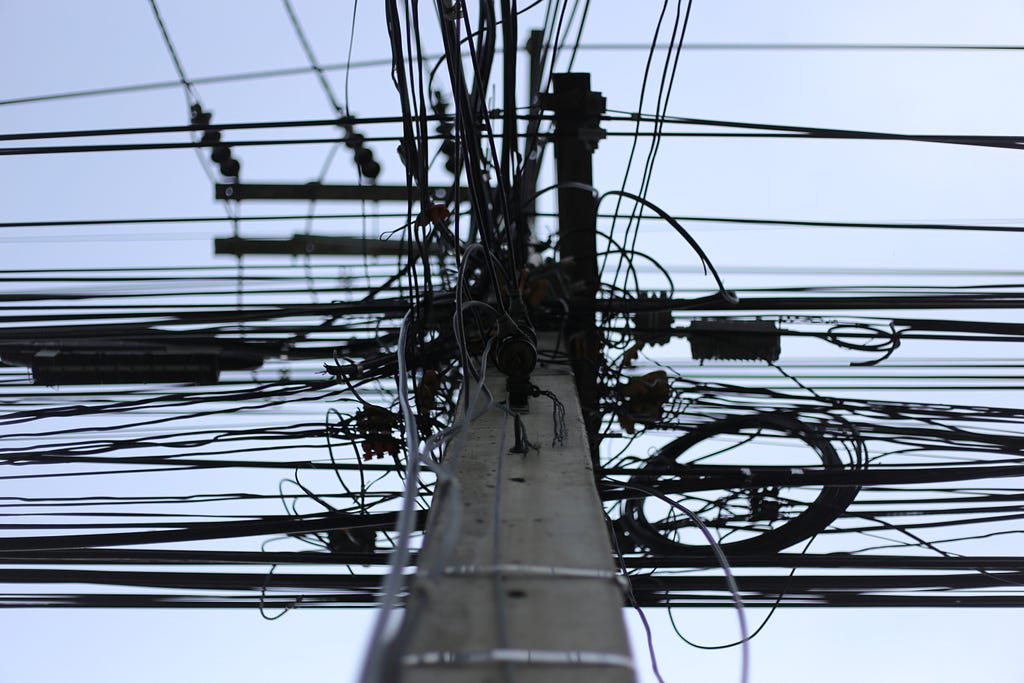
x: 512, y: 656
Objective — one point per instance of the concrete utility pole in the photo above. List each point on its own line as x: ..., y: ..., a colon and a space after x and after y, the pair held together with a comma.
x: 529, y: 591
x: 516, y: 581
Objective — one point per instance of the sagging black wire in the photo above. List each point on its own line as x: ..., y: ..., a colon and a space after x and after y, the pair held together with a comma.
x: 756, y: 631
x: 726, y: 294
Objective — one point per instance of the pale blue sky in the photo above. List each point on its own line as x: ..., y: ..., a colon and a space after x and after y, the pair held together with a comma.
x: 51, y: 46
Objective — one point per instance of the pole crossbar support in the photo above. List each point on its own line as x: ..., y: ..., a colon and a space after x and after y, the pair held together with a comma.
x: 321, y: 192
x: 315, y: 245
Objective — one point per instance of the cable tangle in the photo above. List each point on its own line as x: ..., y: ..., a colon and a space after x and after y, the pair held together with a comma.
x: 268, y: 429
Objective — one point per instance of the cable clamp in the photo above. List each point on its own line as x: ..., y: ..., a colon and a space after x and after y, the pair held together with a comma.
x: 452, y: 10
x: 527, y: 571
x: 515, y: 656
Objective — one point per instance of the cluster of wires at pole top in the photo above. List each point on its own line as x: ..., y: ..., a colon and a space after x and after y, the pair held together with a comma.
x: 251, y: 291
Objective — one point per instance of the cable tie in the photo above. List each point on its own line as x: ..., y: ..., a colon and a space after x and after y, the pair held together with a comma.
x: 519, y: 656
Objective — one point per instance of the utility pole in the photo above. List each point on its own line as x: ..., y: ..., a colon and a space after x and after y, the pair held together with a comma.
x: 529, y: 591
x: 578, y: 111
x: 516, y: 580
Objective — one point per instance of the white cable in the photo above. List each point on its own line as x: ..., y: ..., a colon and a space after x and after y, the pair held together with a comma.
x: 730, y: 579
x: 385, y: 627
